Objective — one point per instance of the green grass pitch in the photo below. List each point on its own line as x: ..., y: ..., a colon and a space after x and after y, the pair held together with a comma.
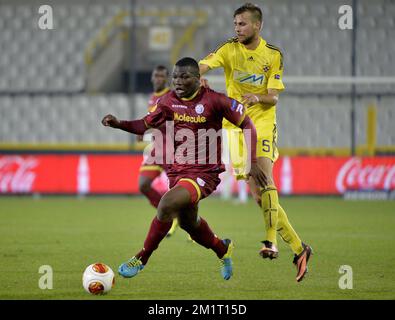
x: 69, y: 233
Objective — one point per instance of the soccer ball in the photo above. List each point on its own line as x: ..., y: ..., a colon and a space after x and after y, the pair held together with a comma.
x: 98, y: 278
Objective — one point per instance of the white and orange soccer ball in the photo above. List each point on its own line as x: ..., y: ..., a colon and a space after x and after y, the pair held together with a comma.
x: 98, y: 278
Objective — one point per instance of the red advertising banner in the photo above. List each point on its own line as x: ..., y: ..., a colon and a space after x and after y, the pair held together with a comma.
x: 334, y: 175
x: 106, y: 174
x: 25, y: 174
x: 77, y: 174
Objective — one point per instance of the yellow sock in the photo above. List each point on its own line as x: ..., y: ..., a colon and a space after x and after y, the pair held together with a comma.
x: 173, y: 226
x: 288, y: 233
x: 270, y: 212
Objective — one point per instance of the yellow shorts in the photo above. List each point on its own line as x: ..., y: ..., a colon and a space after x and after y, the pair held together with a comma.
x: 266, y: 146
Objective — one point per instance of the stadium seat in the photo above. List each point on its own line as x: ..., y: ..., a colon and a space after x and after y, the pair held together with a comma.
x: 309, y: 22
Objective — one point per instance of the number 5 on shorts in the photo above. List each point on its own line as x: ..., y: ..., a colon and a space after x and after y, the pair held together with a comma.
x: 265, y: 145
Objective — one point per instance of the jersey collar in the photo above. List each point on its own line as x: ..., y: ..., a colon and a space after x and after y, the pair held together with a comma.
x: 192, y: 96
x: 261, y: 44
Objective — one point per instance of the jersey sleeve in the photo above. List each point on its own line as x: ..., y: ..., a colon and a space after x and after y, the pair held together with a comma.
x: 232, y: 110
x: 216, y: 59
x: 156, y: 116
x: 275, y: 80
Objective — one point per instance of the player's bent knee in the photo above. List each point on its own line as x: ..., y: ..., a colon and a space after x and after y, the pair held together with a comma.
x: 166, y: 209
x: 145, y: 185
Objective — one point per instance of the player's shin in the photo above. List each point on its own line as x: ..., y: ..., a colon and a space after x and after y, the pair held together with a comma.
x: 270, y: 205
x: 156, y: 233
x: 288, y: 233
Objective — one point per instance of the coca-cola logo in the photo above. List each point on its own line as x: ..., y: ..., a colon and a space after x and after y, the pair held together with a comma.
x: 354, y: 175
x: 16, y: 173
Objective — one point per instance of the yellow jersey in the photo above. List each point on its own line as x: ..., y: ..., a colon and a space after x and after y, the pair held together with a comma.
x: 249, y: 71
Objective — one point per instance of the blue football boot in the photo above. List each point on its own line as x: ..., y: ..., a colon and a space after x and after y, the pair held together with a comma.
x: 226, y: 260
x: 130, y: 268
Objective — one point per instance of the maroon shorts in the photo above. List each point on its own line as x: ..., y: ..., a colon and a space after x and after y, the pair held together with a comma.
x: 199, y: 185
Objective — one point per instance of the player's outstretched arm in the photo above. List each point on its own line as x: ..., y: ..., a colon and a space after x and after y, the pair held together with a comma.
x: 134, y: 126
x: 249, y: 131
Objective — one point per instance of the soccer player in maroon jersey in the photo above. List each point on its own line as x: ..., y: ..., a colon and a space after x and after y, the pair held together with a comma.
x: 193, y: 175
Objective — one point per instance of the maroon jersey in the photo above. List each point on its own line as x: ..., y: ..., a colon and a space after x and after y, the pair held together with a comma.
x: 158, y: 148
x: 195, y: 145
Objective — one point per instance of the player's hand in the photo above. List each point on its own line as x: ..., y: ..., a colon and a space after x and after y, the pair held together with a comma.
x: 257, y: 174
x: 249, y: 99
x: 204, y: 83
x: 110, y: 121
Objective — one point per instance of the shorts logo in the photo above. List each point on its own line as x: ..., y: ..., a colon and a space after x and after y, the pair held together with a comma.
x: 200, y: 182
x: 277, y: 76
x: 199, y: 109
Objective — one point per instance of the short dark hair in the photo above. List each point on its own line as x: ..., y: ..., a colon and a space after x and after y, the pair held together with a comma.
x: 161, y: 68
x: 250, y: 7
x: 188, y: 62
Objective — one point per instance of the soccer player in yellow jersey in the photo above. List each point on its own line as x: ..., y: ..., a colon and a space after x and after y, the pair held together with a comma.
x: 253, y: 73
